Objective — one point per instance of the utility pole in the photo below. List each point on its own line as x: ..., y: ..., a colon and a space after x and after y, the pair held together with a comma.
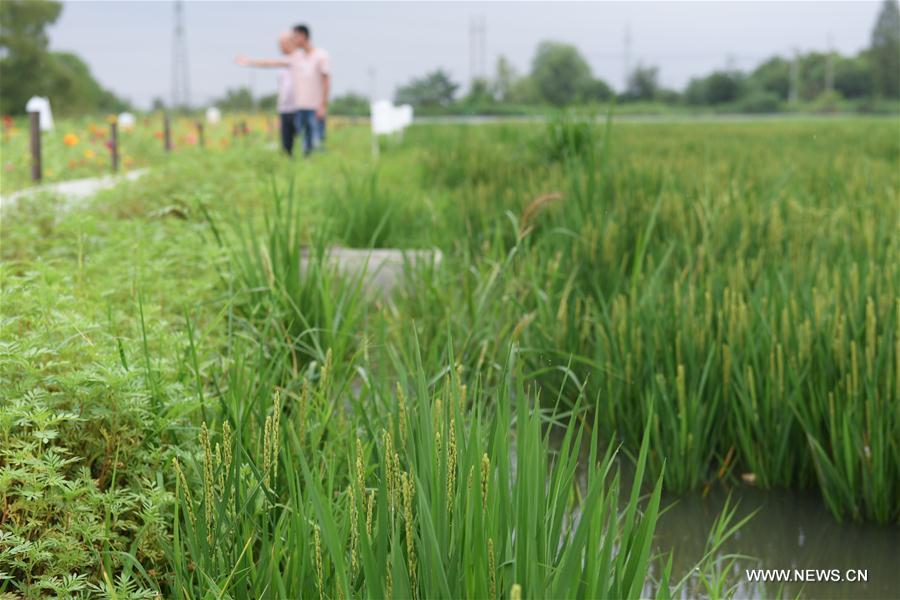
x: 627, y: 56
x: 795, y: 78
x: 477, y: 47
x: 471, y: 50
x: 181, y: 89
x: 483, y: 49
x: 829, y: 65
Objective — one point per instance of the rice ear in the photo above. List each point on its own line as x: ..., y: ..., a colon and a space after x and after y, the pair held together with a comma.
x: 535, y: 207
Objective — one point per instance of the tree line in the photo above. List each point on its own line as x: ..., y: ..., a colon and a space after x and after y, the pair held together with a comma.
x: 560, y: 76
x: 28, y: 68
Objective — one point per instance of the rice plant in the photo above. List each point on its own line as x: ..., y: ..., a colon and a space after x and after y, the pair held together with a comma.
x: 288, y: 291
x: 432, y: 499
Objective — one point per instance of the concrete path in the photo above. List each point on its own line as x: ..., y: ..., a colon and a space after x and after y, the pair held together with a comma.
x: 73, y: 191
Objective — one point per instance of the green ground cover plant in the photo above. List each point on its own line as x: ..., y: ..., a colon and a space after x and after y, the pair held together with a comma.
x: 187, y: 412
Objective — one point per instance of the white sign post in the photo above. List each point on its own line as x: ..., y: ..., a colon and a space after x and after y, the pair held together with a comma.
x: 213, y: 115
x: 41, y: 105
x: 388, y: 119
x: 126, y: 121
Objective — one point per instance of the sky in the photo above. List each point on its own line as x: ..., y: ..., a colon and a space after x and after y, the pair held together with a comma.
x: 376, y: 46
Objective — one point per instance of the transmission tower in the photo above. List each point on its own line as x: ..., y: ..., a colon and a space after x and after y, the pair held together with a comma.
x: 829, y: 65
x: 477, y: 47
x: 181, y: 87
x: 627, y: 56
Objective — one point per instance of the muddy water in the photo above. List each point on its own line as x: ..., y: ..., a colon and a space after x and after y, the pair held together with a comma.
x: 790, y: 530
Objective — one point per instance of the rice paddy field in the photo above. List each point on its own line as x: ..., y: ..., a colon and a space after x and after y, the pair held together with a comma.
x: 631, y: 324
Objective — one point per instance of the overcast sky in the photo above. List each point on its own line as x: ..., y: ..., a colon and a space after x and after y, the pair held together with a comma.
x: 128, y: 45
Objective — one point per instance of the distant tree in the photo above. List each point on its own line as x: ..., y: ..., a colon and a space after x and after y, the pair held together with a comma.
x: 695, y: 92
x: 760, y: 101
x: 774, y: 75
x: 853, y: 77
x: 523, y: 91
x: 350, y: 104
x: 434, y: 89
x: 885, y: 50
x: 28, y: 68
x: 70, y: 83
x: 723, y: 86
x: 237, y: 99
x: 559, y: 73
x: 642, y: 83
x: 269, y: 102
x: 158, y: 104
x: 479, y: 93
x: 595, y: 90
x: 23, y: 48
x: 718, y: 87
x: 505, y: 77
x: 668, y: 96
x: 813, y: 67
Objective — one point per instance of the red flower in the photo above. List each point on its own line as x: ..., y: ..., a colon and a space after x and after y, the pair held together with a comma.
x: 7, y: 121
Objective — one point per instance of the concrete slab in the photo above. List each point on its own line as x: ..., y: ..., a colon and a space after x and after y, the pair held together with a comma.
x: 383, y: 268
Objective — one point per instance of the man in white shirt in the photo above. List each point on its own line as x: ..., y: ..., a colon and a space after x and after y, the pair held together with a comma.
x: 312, y: 84
x: 310, y: 73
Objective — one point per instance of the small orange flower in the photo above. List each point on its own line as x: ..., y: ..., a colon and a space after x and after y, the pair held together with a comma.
x: 70, y: 139
x: 112, y: 119
x: 89, y: 153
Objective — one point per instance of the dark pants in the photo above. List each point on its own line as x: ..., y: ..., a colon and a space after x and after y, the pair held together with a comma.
x: 305, y: 124
x: 288, y: 131
x: 320, y: 134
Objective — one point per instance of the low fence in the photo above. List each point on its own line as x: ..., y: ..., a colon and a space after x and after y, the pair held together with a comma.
x: 239, y: 129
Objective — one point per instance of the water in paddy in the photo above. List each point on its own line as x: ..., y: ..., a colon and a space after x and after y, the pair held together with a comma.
x: 790, y: 530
